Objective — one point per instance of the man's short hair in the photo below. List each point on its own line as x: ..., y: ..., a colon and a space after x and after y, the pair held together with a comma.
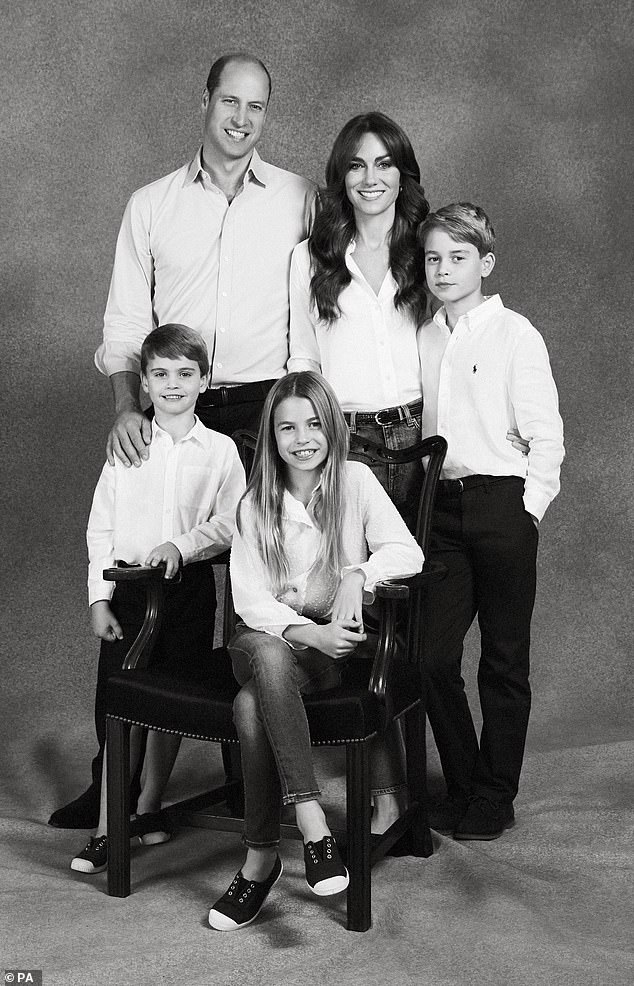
x: 216, y: 70
x: 463, y: 222
x: 174, y: 341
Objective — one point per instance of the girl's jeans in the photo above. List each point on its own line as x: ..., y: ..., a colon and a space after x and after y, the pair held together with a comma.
x: 270, y: 718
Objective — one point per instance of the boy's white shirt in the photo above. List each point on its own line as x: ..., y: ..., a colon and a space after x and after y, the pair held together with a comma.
x: 186, y: 492
x: 490, y: 374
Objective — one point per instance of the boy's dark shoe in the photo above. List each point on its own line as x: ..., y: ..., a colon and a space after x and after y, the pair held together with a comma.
x: 82, y: 813
x: 445, y: 814
x: 485, y: 819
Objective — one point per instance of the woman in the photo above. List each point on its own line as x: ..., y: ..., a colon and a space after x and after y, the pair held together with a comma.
x: 314, y: 535
x: 358, y: 296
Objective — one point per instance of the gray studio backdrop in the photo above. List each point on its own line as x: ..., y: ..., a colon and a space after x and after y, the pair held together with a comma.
x: 521, y: 107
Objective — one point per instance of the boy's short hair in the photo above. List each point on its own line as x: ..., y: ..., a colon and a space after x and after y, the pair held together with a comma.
x: 464, y: 223
x: 174, y: 341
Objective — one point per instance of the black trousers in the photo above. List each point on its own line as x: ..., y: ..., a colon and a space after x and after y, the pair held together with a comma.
x: 226, y: 419
x: 488, y: 543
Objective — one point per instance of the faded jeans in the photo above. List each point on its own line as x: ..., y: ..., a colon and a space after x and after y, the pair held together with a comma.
x: 271, y: 722
x: 401, y: 481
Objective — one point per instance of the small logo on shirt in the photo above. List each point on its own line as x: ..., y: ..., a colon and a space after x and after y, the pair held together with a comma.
x: 475, y: 368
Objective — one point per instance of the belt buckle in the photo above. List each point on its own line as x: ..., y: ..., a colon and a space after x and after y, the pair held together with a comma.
x: 387, y: 411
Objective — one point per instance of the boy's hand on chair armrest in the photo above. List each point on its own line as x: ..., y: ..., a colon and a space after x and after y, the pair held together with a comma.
x: 167, y: 553
x: 105, y: 625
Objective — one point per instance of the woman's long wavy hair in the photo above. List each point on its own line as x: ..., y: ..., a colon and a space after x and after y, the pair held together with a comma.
x: 334, y: 225
x: 267, y: 482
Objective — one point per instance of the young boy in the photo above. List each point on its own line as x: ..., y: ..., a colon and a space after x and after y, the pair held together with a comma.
x: 485, y: 372
x: 179, y: 508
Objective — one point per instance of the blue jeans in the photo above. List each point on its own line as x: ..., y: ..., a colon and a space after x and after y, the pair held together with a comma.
x: 271, y: 722
x: 402, y: 482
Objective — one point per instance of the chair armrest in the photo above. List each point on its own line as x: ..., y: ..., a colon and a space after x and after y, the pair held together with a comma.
x: 134, y: 573
x: 400, y: 588
x: 153, y: 578
x: 390, y: 593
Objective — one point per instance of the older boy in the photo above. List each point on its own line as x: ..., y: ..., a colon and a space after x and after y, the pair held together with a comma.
x: 485, y: 372
x: 179, y: 508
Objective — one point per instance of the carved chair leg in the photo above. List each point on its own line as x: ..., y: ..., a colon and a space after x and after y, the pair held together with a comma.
x: 358, y: 824
x: 118, y: 777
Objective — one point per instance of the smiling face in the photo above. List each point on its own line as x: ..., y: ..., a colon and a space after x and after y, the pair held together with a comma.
x: 373, y: 180
x: 173, y: 385
x: 235, y: 112
x: 301, y: 443
x: 454, y: 271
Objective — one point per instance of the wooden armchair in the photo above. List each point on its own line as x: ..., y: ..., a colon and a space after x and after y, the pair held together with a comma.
x: 369, y: 697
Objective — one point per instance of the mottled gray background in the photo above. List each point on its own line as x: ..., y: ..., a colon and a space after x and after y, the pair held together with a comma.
x: 522, y: 107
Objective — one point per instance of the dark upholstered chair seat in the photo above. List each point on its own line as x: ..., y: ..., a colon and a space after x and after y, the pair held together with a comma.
x: 201, y: 707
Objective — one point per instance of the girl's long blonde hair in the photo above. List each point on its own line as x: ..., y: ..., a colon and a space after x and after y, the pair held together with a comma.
x: 267, y: 482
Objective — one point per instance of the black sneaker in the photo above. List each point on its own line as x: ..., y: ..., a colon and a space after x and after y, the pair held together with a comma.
x: 445, y: 814
x: 485, y: 819
x: 243, y: 901
x: 325, y: 873
x: 94, y: 858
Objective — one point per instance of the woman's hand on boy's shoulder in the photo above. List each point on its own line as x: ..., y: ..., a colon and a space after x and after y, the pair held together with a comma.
x: 105, y: 625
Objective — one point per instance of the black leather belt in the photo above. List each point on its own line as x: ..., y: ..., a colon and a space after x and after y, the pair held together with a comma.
x: 243, y: 393
x: 386, y: 416
x: 454, y: 487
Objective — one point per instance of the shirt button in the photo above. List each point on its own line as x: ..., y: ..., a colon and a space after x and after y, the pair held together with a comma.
x: 219, y: 365
x: 221, y: 330
x: 224, y: 294
x: 294, y: 588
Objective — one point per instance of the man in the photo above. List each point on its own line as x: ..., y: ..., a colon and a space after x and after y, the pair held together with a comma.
x: 207, y: 246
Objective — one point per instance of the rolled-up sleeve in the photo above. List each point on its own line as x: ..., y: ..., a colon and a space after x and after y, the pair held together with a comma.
x: 535, y: 402
x: 393, y: 550
x: 303, y: 345
x: 253, y: 598
x: 129, y: 315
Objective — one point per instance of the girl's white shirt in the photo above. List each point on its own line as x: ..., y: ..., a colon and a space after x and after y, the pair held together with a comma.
x: 375, y: 540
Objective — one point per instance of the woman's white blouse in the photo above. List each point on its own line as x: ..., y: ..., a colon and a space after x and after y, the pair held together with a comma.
x: 369, y: 355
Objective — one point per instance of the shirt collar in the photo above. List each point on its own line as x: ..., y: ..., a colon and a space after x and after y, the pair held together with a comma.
x: 256, y: 171
x: 475, y: 317
x: 197, y: 433
x: 295, y: 510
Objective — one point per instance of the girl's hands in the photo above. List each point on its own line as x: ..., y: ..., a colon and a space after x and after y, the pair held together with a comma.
x: 347, y: 607
x: 105, y: 625
x: 338, y: 639
x: 334, y: 639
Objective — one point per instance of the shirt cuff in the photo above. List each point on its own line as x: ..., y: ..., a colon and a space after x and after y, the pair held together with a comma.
x: 279, y: 632
x: 100, y: 590
x: 536, y: 503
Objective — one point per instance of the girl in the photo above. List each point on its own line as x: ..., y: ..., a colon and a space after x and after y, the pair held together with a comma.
x: 357, y: 293
x: 300, y: 573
